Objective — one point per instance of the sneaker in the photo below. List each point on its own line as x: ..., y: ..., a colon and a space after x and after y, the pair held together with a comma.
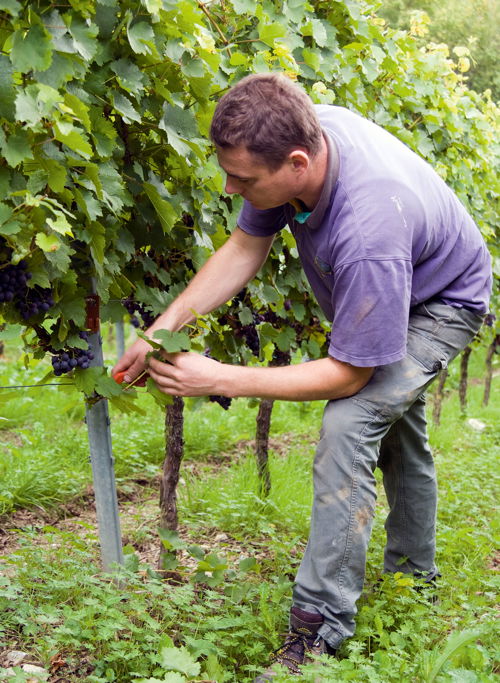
x: 301, y: 645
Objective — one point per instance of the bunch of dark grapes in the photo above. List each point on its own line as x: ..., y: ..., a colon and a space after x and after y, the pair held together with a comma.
x: 13, y: 282
x: 251, y: 337
x: 134, y: 307
x: 281, y: 357
x: 223, y: 401
x: 36, y: 300
x: 69, y: 359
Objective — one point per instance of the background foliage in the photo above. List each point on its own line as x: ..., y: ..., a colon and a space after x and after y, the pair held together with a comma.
x: 107, y: 175
x: 474, y: 25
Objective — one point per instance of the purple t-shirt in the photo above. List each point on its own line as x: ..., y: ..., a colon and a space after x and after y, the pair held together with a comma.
x: 386, y: 235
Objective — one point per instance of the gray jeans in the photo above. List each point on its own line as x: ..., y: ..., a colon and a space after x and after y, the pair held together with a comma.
x: 384, y: 424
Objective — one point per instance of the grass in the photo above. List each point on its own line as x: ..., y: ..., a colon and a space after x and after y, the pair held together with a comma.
x: 240, y: 552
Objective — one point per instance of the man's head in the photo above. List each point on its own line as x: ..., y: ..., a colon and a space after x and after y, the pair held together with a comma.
x: 270, y: 116
x: 268, y: 140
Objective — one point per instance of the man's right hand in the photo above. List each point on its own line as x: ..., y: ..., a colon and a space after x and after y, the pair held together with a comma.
x: 133, y: 362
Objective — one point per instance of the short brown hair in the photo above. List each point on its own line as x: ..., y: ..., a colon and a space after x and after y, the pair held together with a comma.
x: 268, y: 114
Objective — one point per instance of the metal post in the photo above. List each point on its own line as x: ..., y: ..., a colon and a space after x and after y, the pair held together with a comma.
x: 120, y: 338
x: 101, y: 458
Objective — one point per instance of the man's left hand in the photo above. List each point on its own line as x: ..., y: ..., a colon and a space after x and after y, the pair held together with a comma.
x: 186, y: 374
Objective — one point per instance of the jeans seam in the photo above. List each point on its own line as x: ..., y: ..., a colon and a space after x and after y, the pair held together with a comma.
x: 350, y: 525
x: 401, y: 488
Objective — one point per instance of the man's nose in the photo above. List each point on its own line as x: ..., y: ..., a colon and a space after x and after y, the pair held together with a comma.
x: 231, y: 186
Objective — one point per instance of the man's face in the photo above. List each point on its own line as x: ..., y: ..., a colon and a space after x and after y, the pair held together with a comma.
x: 255, y: 182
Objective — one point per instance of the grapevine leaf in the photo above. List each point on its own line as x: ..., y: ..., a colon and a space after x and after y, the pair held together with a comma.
x: 164, y: 209
x: 65, y: 132
x: 10, y: 228
x: 78, y: 109
x: 159, y: 397
x: 180, y: 127
x: 11, y: 6
x: 5, y: 212
x: 107, y: 387
x: 31, y: 50
x: 124, y: 107
x: 141, y: 38
x: 16, y: 148
x: 172, y: 342
x: 47, y: 242
x: 86, y: 380
x: 269, y: 32
x: 60, y: 224
x: 84, y: 38
x: 6, y: 88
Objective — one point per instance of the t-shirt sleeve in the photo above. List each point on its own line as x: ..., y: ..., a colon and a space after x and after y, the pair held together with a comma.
x: 371, y: 301
x: 261, y: 222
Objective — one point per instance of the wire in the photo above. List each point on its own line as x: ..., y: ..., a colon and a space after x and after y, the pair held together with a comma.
x: 50, y: 384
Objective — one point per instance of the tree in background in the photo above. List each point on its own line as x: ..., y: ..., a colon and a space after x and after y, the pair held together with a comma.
x: 471, y: 24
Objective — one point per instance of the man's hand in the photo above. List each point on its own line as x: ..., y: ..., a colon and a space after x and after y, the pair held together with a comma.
x: 133, y: 362
x: 185, y: 374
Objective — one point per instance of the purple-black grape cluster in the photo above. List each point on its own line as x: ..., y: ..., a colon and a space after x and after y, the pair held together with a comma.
x: 250, y: 335
x: 134, y: 307
x: 30, y: 302
x: 13, y: 281
x: 37, y: 300
x: 71, y: 358
x: 223, y: 401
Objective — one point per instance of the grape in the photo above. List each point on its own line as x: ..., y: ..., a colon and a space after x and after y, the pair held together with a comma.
x: 223, y: 401
x: 13, y: 287
x: 134, y: 307
x: 66, y: 360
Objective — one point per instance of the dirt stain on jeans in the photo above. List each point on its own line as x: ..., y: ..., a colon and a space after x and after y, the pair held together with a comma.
x: 363, y: 518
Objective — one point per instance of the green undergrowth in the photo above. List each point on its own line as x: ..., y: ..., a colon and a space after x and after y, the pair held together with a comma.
x: 239, y: 552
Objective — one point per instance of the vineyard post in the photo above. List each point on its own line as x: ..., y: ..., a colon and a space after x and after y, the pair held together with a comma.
x: 120, y: 338
x: 101, y: 454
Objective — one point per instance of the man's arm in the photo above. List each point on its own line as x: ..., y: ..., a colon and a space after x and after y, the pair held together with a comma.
x: 225, y: 273
x: 190, y: 374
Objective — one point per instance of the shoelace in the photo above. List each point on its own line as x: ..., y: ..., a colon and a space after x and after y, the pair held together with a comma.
x: 295, y: 644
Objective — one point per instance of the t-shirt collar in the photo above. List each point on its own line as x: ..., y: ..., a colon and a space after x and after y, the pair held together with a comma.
x: 314, y: 218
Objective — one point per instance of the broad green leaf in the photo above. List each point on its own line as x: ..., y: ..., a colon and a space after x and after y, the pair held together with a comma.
x: 84, y: 38
x: 124, y: 107
x: 268, y: 33
x: 5, y: 212
x: 141, y: 38
x: 107, y: 387
x: 173, y: 342
x: 60, y: 224
x: 78, y: 109
x: 312, y: 58
x: 47, y: 242
x: 180, y: 127
x: 129, y: 75
x: 161, y: 399
x: 86, y: 380
x: 179, y: 659
x: 56, y: 174
x: 10, y: 228
x: 31, y: 50
x: 11, y: 6
x: 65, y: 132
x: 164, y: 209
x: 17, y: 148
x: 244, y: 6
x: 6, y: 88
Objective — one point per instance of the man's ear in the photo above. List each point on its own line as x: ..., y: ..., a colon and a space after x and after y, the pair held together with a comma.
x: 299, y: 160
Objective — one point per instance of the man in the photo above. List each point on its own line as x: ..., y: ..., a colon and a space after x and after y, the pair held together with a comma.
x: 400, y: 269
